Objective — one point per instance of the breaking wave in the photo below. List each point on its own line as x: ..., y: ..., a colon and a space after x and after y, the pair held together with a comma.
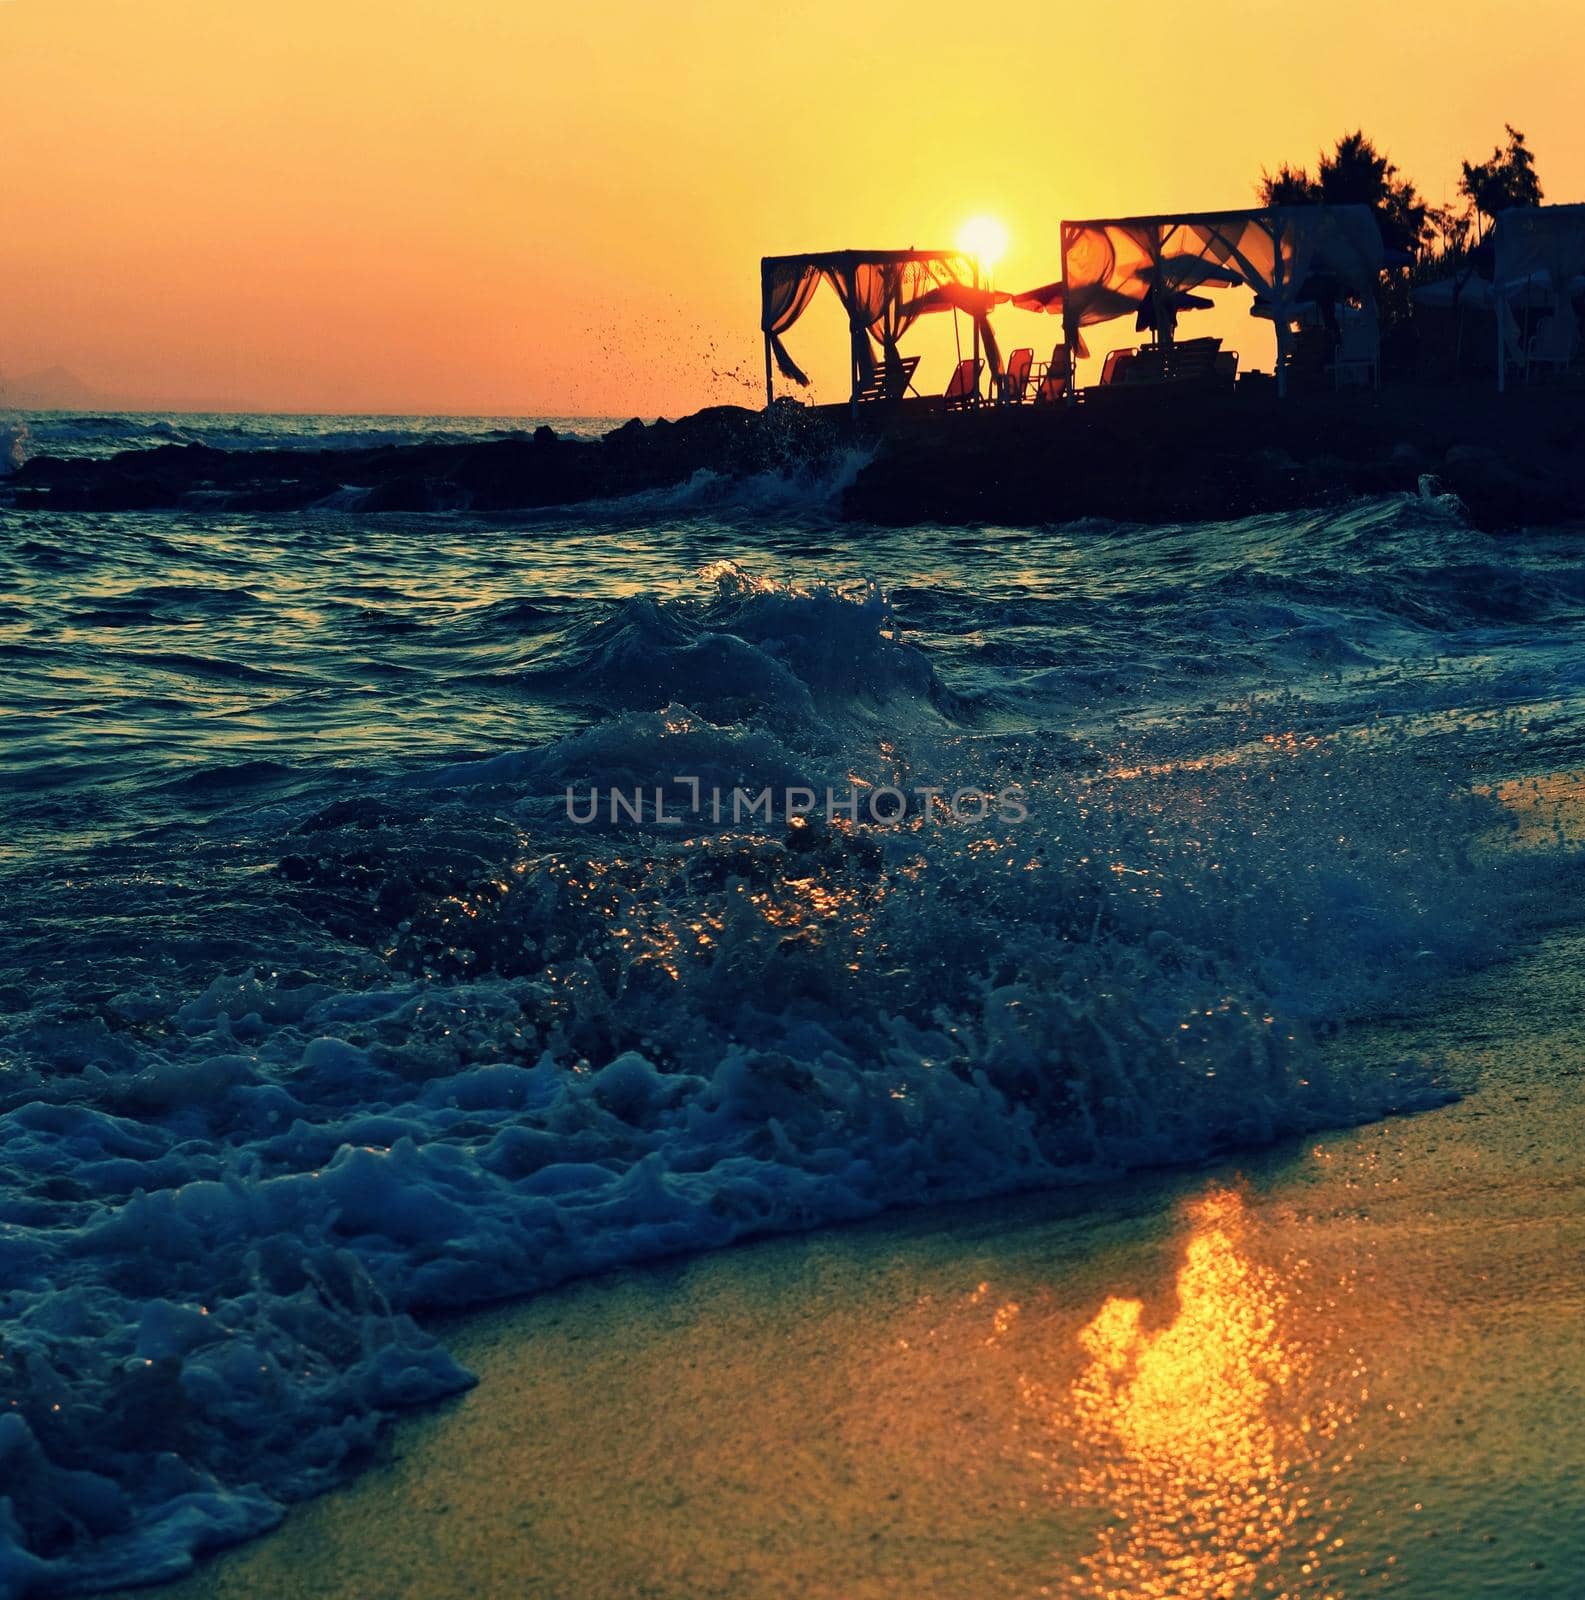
x: 422, y: 1039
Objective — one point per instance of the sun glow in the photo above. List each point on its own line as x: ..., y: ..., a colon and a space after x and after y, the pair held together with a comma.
x: 985, y: 239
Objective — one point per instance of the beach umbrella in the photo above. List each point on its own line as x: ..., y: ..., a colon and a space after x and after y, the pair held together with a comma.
x: 977, y: 303
x: 1188, y: 272
x: 1167, y: 286
x: 1049, y: 298
x: 1170, y: 304
x: 1292, y: 310
x: 956, y: 297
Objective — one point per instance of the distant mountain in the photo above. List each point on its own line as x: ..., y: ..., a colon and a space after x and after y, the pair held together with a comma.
x: 54, y: 389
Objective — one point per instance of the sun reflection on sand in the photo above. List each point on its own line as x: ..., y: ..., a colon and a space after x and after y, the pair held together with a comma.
x: 1203, y: 1438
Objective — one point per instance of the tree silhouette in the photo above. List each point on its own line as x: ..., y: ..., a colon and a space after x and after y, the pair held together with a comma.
x: 1355, y: 172
x: 1508, y: 179
x: 1288, y: 186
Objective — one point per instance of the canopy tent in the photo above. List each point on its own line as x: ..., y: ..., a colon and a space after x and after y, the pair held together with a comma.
x: 879, y: 289
x: 1111, y: 267
x: 1531, y: 243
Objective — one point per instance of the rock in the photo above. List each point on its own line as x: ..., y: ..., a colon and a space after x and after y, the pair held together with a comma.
x: 1130, y: 456
x: 400, y: 494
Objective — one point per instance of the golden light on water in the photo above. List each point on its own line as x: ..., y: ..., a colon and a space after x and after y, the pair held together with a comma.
x: 1199, y: 1438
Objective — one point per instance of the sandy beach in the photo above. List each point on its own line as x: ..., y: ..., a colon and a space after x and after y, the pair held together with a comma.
x: 1348, y: 1367
x: 761, y: 843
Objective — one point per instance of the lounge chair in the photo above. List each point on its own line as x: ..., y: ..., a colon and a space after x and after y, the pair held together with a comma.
x: 890, y: 380
x: 1187, y: 361
x: 1358, y: 354
x: 964, y: 388
x: 1148, y: 365
x: 1053, y: 383
x: 1014, y: 382
x: 1555, y: 339
x: 1114, y: 370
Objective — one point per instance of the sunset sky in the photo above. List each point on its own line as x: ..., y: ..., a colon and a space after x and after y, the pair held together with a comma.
x: 505, y: 206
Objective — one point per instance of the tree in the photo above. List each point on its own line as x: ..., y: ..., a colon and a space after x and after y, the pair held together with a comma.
x: 1355, y: 173
x: 1288, y: 186
x: 1508, y: 179
x: 1451, y: 231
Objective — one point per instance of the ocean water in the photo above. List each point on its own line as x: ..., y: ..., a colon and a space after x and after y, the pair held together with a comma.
x: 94, y: 433
x: 393, y: 919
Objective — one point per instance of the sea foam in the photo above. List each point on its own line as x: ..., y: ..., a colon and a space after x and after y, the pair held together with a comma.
x: 481, y: 1049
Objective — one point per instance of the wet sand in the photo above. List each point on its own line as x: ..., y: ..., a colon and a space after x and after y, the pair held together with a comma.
x: 1348, y: 1367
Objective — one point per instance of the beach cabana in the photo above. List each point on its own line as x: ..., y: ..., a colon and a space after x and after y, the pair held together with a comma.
x: 1111, y: 267
x: 1537, y: 246
x: 882, y: 292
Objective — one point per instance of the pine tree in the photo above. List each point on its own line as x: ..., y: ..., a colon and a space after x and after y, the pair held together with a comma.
x: 1507, y: 179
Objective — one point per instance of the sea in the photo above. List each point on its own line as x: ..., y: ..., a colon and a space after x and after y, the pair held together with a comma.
x: 406, y: 912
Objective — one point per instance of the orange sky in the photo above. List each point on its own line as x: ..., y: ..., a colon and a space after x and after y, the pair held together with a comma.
x: 507, y: 206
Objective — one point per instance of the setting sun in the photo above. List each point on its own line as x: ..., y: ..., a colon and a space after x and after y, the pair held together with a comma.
x: 985, y: 239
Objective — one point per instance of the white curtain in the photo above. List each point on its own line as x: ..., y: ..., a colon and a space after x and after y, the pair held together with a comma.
x: 1111, y: 268
x: 1531, y: 239
x: 875, y: 290
x: 786, y: 288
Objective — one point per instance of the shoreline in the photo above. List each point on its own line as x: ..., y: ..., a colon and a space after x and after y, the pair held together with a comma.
x: 1340, y: 1365
x: 1145, y: 455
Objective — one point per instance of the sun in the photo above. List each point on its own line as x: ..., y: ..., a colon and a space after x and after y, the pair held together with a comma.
x: 985, y: 239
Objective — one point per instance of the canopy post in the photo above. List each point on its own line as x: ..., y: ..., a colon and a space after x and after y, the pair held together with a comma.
x: 1282, y: 365
x: 770, y: 390
x: 1500, y: 305
x: 976, y: 322
x: 1070, y: 331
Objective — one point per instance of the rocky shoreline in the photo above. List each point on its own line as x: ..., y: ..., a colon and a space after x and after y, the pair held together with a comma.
x: 1135, y: 455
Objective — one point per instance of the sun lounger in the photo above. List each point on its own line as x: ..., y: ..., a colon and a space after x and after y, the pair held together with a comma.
x: 1114, y: 370
x: 1358, y: 356
x: 964, y: 388
x: 1555, y: 339
x: 891, y: 380
x: 1052, y: 382
x: 1014, y: 382
x: 1188, y: 361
